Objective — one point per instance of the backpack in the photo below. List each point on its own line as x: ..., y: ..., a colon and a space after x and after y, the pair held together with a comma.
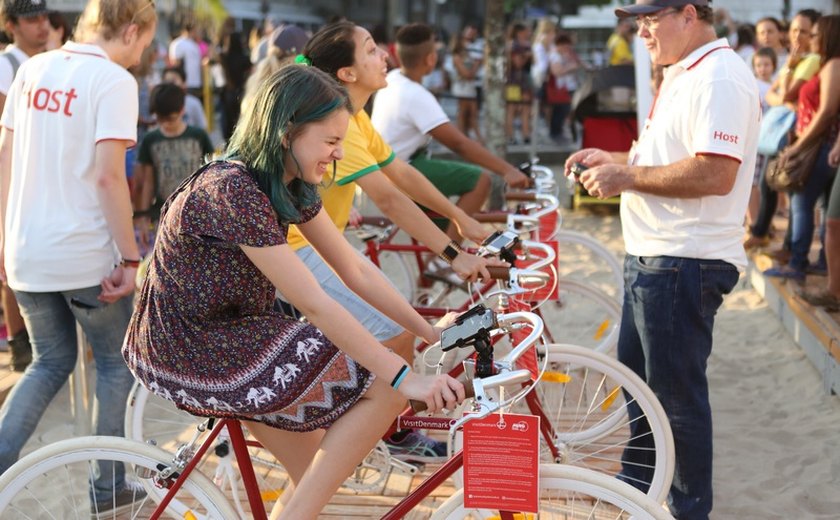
x: 776, y: 124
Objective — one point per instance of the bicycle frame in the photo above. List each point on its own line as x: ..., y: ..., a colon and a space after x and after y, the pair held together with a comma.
x: 240, y: 446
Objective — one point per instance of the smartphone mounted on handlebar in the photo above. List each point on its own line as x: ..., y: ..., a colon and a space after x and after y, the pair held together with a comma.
x: 475, y: 324
x: 501, y: 243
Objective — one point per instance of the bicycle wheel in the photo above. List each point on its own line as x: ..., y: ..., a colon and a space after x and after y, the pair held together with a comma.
x: 401, y: 271
x: 584, y: 259
x: 400, y: 268
x: 55, y: 482
x: 583, y: 315
x: 150, y: 418
x: 571, y: 493
x: 585, y: 395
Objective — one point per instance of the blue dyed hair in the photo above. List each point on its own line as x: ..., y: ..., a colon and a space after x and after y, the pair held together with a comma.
x: 288, y: 100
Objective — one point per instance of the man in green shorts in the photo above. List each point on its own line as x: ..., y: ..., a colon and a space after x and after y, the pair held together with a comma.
x: 408, y: 116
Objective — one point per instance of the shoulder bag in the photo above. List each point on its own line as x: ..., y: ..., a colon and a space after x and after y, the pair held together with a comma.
x: 792, y: 173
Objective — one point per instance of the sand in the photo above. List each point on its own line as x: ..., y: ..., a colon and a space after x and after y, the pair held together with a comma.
x: 777, y: 432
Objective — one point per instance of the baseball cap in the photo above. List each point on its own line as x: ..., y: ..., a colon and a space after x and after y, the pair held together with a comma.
x: 642, y: 7
x: 289, y: 38
x: 24, y: 8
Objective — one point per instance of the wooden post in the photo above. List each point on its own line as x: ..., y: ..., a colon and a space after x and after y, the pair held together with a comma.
x: 494, y: 84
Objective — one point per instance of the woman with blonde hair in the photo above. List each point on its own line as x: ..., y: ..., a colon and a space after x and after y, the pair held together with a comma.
x: 263, y: 70
x: 68, y: 242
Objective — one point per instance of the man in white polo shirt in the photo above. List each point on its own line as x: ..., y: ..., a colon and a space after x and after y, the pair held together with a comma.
x: 408, y: 116
x: 684, y: 189
x: 27, y: 23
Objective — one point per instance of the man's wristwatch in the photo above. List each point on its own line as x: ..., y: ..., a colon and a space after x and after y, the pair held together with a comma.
x: 450, y: 252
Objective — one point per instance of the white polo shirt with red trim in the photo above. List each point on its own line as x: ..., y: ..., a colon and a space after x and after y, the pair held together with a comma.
x: 711, y: 108
x: 61, y: 104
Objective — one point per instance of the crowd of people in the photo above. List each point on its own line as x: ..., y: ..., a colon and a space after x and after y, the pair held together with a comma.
x: 106, y: 163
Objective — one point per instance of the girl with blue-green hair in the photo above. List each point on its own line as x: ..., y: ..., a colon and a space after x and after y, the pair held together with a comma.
x: 204, y: 333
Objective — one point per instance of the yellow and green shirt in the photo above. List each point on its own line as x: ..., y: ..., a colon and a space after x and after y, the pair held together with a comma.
x: 364, y: 152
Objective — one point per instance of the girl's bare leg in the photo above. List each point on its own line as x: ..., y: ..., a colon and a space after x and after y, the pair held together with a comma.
x: 402, y: 345
x: 346, y: 443
x: 295, y: 451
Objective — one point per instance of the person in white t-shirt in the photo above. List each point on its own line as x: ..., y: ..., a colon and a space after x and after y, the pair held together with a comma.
x: 184, y: 52
x: 684, y: 190
x: 26, y: 22
x: 408, y: 116
x: 68, y: 241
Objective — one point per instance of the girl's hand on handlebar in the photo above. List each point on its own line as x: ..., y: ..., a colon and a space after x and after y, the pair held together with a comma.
x: 355, y: 219
x: 470, y: 228
x: 441, y: 324
x: 516, y: 179
x: 438, y: 392
x: 472, y: 268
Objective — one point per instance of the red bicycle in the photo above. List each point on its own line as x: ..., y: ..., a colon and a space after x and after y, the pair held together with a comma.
x: 173, y: 486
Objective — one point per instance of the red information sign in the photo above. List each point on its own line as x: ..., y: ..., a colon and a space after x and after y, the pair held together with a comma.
x: 548, y: 225
x: 501, y: 463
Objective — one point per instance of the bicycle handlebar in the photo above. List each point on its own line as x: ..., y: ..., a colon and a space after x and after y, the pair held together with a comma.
x: 550, y: 254
x: 376, y: 221
x: 420, y: 406
x: 496, y: 217
x: 506, y: 375
x: 499, y: 272
x: 520, y: 195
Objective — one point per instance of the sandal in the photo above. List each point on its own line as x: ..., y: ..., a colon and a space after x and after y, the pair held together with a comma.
x: 821, y: 298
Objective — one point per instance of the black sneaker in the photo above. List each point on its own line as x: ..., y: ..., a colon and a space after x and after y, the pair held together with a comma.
x: 416, y: 447
x: 125, y: 500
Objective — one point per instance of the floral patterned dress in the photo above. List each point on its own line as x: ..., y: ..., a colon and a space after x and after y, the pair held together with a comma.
x: 204, y: 333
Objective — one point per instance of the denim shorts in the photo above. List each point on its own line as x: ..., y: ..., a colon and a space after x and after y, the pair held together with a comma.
x: 382, y: 327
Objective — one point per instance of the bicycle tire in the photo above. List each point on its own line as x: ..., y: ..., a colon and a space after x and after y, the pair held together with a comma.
x: 589, y: 261
x: 150, y: 418
x: 592, y: 322
x: 55, y: 481
x: 560, y: 482
x: 588, y: 414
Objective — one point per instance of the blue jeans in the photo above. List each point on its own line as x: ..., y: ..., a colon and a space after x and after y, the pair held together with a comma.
x: 51, y: 321
x: 802, y: 205
x: 666, y: 338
